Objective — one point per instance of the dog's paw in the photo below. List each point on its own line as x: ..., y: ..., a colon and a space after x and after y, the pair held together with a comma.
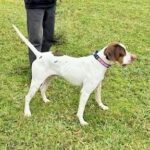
x: 27, y: 114
x: 81, y: 120
x: 84, y: 123
x: 46, y: 100
x: 105, y: 107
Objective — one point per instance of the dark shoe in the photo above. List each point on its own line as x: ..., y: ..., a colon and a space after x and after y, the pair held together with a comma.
x: 57, y: 40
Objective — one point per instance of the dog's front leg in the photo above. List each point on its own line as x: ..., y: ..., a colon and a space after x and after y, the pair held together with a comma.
x: 83, y: 100
x: 98, y: 97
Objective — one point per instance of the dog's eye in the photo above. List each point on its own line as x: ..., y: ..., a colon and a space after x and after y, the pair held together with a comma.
x: 121, y: 55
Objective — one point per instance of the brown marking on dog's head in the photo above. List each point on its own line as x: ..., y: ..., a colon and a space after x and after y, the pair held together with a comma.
x: 115, y: 52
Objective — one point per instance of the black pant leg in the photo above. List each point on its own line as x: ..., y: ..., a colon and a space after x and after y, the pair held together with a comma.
x: 35, y: 29
x: 48, y: 28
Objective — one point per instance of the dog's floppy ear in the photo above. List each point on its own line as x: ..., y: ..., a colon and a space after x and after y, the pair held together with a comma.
x: 110, y: 53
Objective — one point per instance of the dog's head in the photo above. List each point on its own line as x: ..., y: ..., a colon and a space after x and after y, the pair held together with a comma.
x: 117, y: 52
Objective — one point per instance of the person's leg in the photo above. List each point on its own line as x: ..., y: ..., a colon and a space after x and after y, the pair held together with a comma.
x: 48, y: 29
x: 35, y: 29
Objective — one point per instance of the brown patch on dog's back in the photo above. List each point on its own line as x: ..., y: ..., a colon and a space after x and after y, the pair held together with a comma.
x: 58, y: 53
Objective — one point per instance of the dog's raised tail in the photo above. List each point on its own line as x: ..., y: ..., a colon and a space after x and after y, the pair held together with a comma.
x: 27, y: 42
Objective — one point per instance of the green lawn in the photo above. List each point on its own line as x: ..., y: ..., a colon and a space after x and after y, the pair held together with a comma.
x: 84, y: 25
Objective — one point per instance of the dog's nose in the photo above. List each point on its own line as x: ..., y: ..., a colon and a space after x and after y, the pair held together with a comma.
x: 133, y: 57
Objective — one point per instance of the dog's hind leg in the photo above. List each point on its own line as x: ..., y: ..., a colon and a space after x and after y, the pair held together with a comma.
x: 43, y: 89
x: 35, y: 84
x: 39, y: 75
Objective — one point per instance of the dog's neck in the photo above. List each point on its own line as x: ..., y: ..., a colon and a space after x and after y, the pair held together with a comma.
x: 103, y: 57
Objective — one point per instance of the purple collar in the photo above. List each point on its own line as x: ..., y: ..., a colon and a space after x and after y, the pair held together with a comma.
x: 101, y: 60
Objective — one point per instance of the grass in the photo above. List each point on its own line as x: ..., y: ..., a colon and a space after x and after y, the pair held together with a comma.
x: 84, y: 26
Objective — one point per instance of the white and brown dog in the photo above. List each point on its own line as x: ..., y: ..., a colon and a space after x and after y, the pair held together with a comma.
x: 87, y: 72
